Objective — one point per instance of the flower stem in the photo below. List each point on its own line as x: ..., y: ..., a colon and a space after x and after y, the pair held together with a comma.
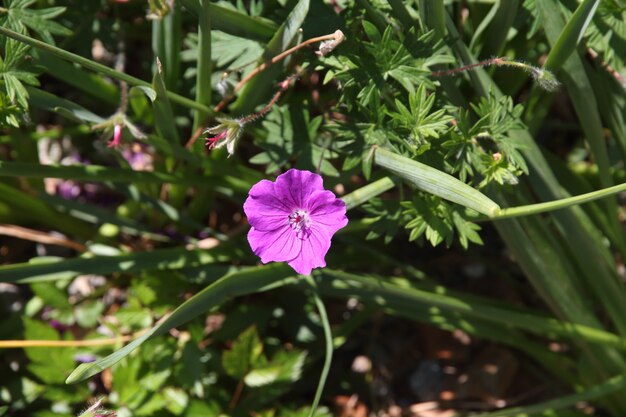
x: 328, y: 358
x: 507, y: 213
x: 454, y: 71
x: 284, y: 85
x: 102, y: 69
x: 366, y: 193
x: 537, y: 73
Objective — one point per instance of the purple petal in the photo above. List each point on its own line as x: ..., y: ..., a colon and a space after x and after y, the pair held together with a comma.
x: 264, y: 209
x: 328, y: 210
x: 295, y: 186
x: 275, y: 245
x: 313, y: 251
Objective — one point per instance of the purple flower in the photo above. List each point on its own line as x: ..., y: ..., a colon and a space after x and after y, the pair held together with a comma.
x: 293, y: 220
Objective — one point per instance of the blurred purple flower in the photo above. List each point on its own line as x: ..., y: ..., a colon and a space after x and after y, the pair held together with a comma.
x: 85, y: 357
x: 138, y: 157
x: 58, y: 326
x: 68, y: 189
x: 293, y: 220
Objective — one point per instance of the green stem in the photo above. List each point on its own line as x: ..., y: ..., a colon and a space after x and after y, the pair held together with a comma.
x: 92, y: 65
x: 328, y: 358
x: 203, y: 77
x: 366, y: 193
x: 507, y: 213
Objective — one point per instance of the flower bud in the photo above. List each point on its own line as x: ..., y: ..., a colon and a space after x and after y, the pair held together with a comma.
x: 226, y: 133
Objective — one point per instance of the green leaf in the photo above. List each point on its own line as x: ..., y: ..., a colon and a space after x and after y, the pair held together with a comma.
x: 148, y: 91
x: 14, y: 71
x: 37, y: 211
x: 19, y: 18
x: 87, y: 63
x: 48, y: 365
x: 284, y: 367
x: 243, y: 354
x: 92, y: 84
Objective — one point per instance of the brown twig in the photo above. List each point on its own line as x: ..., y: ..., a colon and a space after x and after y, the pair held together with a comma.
x: 620, y: 79
x: 39, y: 237
x: 236, y: 395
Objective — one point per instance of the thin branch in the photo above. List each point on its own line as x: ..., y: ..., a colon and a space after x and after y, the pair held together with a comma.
x: 39, y: 237
x: 620, y: 79
x: 337, y: 36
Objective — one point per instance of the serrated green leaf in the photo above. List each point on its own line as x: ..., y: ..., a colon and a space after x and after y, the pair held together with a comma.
x: 243, y: 354
x: 284, y: 367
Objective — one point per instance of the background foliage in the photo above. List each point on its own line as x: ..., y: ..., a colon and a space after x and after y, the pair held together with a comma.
x: 428, y: 292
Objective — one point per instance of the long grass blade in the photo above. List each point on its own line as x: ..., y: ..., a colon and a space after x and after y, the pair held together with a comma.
x: 610, y: 386
x: 94, y: 66
x: 435, y: 182
x: 254, y: 280
x: 157, y: 260
x: 572, y: 33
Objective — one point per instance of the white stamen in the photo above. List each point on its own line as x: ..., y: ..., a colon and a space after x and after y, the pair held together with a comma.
x: 300, y: 222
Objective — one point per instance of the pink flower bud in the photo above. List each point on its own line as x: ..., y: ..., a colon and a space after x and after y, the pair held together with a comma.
x: 117, y: 136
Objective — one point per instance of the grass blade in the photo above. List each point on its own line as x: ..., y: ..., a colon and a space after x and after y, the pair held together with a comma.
x: 37, y: 211
x: 95, y: 173
x: 236, y: 23
x: 163, y: 114
x: 254, y: 280
x: 94, y: 66
x: 435, y: 182
x: 157, y: 260
x: 166, y: 41
x: 49, y: 102
x: 382, y: 292
x: 569, y: 38
x: 598, y: 391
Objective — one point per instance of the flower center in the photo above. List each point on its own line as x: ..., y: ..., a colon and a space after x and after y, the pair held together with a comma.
x: 300, y: 222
